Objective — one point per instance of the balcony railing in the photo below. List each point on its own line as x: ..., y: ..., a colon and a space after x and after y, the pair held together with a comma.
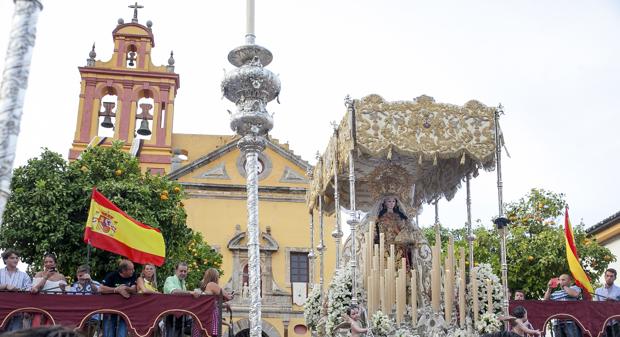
x: 142, y: 313
x: 591, y: 317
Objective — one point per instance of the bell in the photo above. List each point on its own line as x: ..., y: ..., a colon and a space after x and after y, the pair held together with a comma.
x: 107, y: 122
x: 131, y: 58
x: 144, y: 128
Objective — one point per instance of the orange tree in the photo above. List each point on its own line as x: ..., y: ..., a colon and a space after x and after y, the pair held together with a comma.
x: 535, y: 243
x: 48, y: 208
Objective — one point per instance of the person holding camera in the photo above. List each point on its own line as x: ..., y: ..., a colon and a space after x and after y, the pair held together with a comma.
x: 566, y: 292
x: 84, y: 284
x: 49, y: 280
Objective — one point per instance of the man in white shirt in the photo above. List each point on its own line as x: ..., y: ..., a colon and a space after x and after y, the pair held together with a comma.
x: 609, y: 292
x: 13, y: 279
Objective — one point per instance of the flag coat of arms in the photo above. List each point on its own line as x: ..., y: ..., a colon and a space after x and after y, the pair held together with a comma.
x: 111, y: 229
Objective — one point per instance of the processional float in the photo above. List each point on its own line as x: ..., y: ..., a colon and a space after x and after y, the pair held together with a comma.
x: 398, y: 156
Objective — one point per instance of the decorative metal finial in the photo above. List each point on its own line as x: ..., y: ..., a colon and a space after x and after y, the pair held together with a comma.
x: 149, y: 24
x: 135, y: 11
x: 348, y: 101
x: 90, y: 62
x: 334, y: 125
x: 170, y: 66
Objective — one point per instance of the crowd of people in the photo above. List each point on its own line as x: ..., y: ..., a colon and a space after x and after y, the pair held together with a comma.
x: 123, y: 282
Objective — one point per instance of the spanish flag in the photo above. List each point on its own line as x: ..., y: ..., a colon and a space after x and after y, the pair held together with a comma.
x: 111, y: 229
x: 580, y: 276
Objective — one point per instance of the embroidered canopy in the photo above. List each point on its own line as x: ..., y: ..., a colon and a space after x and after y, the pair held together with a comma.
x: 417, y: 150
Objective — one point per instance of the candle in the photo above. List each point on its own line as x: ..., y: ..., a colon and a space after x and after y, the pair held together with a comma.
x: 381, y: 252
x: 250, y: 17
x: 370, y: 296
x: 399, y: 313
x: 489, y: 296
x: 448, y: 299
x: 382, y: 293
x: 462, y: 303
x: 474, y: 287
x: 414, y: 298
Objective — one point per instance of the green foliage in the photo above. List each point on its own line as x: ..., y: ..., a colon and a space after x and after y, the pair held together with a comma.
x: 535, y: 243
x: 48, y: 208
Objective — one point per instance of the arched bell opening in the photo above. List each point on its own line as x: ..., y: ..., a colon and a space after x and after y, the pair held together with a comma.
x: 131, y: 56
x: 144, y: 115
x: 107, y: 113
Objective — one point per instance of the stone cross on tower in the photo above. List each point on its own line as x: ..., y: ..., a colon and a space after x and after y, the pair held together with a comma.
x: 135, y: 11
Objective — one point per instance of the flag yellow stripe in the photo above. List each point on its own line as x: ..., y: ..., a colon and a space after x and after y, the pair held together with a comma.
x: 576, y: 269
x: 127, y: 232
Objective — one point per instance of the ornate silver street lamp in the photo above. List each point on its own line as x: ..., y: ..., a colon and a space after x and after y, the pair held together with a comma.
x: 501, y: 222
x: 250, y: 86
x: 13, y: 87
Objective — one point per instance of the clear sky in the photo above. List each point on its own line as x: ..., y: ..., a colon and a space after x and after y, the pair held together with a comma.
x: 554, y: 65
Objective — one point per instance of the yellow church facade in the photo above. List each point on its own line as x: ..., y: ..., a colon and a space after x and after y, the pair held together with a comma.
x: 128, y: 98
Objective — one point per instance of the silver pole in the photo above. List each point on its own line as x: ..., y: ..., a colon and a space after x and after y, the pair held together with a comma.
x: 311, y: 256
x: 501, y: 224
x: 13, y: 87
x: 337, y: 233
x: 470, y: 236
x: 251, y: 86
x: 321, y: 246
x: 252, y: 146
x: 353, y: 221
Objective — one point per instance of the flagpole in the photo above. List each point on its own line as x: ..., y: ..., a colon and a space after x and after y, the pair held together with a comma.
x: 88, y: 247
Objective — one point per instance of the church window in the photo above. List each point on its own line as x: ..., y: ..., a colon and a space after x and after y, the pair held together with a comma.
x: 132, y: 57
x: 163, y: 115
x: 107, y: 115
x: 156, y: 171
x: 246, y: 278
x: 299, y: 267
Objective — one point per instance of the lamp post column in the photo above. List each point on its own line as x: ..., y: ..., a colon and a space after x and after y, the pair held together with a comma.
x: 250, y: 86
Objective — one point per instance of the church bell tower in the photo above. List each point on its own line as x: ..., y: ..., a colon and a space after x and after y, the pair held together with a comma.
x: 128, y: 98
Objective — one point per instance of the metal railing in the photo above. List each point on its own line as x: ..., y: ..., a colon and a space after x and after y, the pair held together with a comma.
x: 114, y: 316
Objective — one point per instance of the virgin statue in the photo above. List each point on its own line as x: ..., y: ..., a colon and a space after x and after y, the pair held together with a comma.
x: 408, y: 239
x: 392, y: 222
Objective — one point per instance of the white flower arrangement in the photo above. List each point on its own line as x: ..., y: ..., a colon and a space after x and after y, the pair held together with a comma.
x: 488, y: 323
x: 381, y: 324
x: 404, y: 332
x: 460, y: 333
x: 312, y: 308
x: 485, y: 272
x: 338, y: 297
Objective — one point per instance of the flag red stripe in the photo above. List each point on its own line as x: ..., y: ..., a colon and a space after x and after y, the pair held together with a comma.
x: 569, y: 234
x: 108, y: 243
x: 103, y: 201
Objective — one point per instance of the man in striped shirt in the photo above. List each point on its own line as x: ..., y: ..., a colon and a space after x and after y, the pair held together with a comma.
x: 13, y: 279
x: 567, y: 292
